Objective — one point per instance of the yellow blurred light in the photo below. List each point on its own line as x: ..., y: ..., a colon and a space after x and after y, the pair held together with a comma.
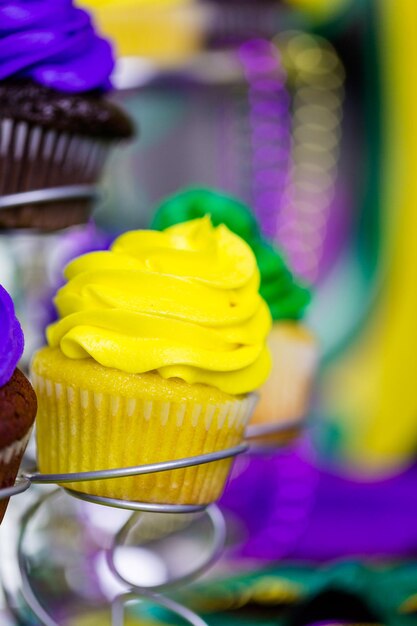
x: 317, y: 116
x: 165, y: 30
x: 311, y: 147
x: 319, y: 9
x: 320, y: 97
x: 315, y: 76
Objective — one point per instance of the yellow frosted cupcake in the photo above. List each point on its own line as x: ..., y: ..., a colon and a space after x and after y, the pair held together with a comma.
x: 160, y: 342
x: 284, y: 398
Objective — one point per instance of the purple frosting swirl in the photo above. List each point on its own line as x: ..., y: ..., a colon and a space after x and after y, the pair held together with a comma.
x: 55, y: 44
x: 11, y: 338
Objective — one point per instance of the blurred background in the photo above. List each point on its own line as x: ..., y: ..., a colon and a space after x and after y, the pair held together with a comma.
x: 305, y: 110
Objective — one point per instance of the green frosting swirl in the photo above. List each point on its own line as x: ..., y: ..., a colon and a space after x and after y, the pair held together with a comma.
x: 285, y: 296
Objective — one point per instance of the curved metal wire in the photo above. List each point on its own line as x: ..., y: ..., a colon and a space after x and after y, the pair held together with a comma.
x: 138, y: 470
x: 135, y: 593
x: 21, y: 485
x: 53, y: 194
x: 219, y: 539
x: 130, y: 505
x: 27, y: 591
x: 119, y: 605
x: 262, y: 430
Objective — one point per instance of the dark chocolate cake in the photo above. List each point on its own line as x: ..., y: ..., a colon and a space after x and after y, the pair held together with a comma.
x: 18, y: 407
x: 88, y: 114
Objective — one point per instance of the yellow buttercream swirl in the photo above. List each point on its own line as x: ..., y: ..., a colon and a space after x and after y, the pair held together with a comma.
x: 183, y: 302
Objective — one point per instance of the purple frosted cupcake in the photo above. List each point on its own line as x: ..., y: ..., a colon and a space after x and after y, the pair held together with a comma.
x: 17, y: 398
x: 56, y: 125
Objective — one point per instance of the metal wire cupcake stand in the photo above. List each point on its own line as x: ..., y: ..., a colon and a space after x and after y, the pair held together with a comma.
x: 133, y: 593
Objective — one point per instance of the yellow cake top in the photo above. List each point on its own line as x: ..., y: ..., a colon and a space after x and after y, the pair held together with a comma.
x: 183, y: 302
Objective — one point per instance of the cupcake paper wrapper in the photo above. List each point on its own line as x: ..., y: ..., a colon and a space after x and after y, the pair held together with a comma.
x: 285, y: 396
x: 80, y: 430
x: 8, y: 453
x: 33, y: 158
x: 10, y: 459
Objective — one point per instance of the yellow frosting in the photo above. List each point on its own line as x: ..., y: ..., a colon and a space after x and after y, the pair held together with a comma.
x: 183, y: 302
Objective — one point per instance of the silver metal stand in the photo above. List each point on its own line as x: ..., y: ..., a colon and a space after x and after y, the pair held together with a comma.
x: 53, y: 194
x: 256, y: 431
x: 139, y: 470
x: 133, y: 593
x: 137, y: 592
x: 21, y: 485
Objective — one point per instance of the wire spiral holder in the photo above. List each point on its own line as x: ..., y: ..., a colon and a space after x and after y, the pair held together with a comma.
x: 133, y: 593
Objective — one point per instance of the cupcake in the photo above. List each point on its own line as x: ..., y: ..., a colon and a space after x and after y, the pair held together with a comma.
x: 17, y: 398
x: 56, y: 124
x: 159, y: 343
x: 283, y: 399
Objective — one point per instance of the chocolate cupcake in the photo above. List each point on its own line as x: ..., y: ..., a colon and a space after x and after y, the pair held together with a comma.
x: 17, y: 398
x: 56, y: 125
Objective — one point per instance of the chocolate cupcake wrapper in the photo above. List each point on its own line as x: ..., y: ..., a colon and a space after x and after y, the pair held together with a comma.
x: 8, y: 453
x: 80, y: 430
x: 10, y: 459
x: 34, y: 158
